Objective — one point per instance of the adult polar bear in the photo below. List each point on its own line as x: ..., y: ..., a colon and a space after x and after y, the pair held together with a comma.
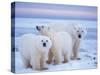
x: 61, y: 44
x: 34, y: 50
x: 77, y: 31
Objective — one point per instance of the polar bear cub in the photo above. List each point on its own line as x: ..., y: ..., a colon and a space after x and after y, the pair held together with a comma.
x: 61, y: 45
x: 34, y: 50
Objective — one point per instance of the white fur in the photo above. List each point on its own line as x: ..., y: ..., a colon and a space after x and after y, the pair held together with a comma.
x: 33, y: 52
x: 74, y: 30
x: 61, y: 43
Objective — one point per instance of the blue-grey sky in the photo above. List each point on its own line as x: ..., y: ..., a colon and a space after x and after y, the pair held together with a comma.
x: 54, y: 11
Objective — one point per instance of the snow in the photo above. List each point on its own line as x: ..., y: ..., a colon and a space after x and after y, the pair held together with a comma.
x: 87, y: 53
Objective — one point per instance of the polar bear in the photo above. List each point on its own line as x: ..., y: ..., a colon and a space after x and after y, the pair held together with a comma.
x: 34, y: 50
x: 77, y: 31
x: 61, y: 45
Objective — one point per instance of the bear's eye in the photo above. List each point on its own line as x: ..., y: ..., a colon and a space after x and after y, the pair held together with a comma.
x: 82, y: 31
x: 41, y: 40
x: 46, y: 40
x: 78, y: 31
x: 42, y: 26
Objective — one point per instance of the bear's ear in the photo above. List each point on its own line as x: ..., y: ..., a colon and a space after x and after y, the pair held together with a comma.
x: 85, y: 28
x: 74, y: 27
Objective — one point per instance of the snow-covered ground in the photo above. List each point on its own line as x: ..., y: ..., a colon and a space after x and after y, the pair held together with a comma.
x: 87, y: 53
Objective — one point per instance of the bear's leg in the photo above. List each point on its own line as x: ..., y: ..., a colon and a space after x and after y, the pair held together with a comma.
x: 65, y: 58
x: 50, y: 57
x: 74, y: 53
x: 36, y: 65
x: 25, y: 62
x: 35, y: 62
x: 43, y: 64
x: 75, y: 50
x: 67, y: 55
x: 58, y: 57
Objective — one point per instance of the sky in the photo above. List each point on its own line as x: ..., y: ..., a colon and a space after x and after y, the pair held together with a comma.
x: 53, y: 11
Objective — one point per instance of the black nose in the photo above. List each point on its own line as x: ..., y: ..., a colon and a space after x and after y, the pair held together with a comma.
x: 37, y: 27
x: 79, y: 36
x: 44, y: 44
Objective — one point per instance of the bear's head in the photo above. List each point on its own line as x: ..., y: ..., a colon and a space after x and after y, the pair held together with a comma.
x: 44, y: 42
x: 79, y: 31
x: 43, y: 29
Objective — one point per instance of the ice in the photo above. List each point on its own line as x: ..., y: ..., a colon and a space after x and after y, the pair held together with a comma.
x: 87, y: 54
